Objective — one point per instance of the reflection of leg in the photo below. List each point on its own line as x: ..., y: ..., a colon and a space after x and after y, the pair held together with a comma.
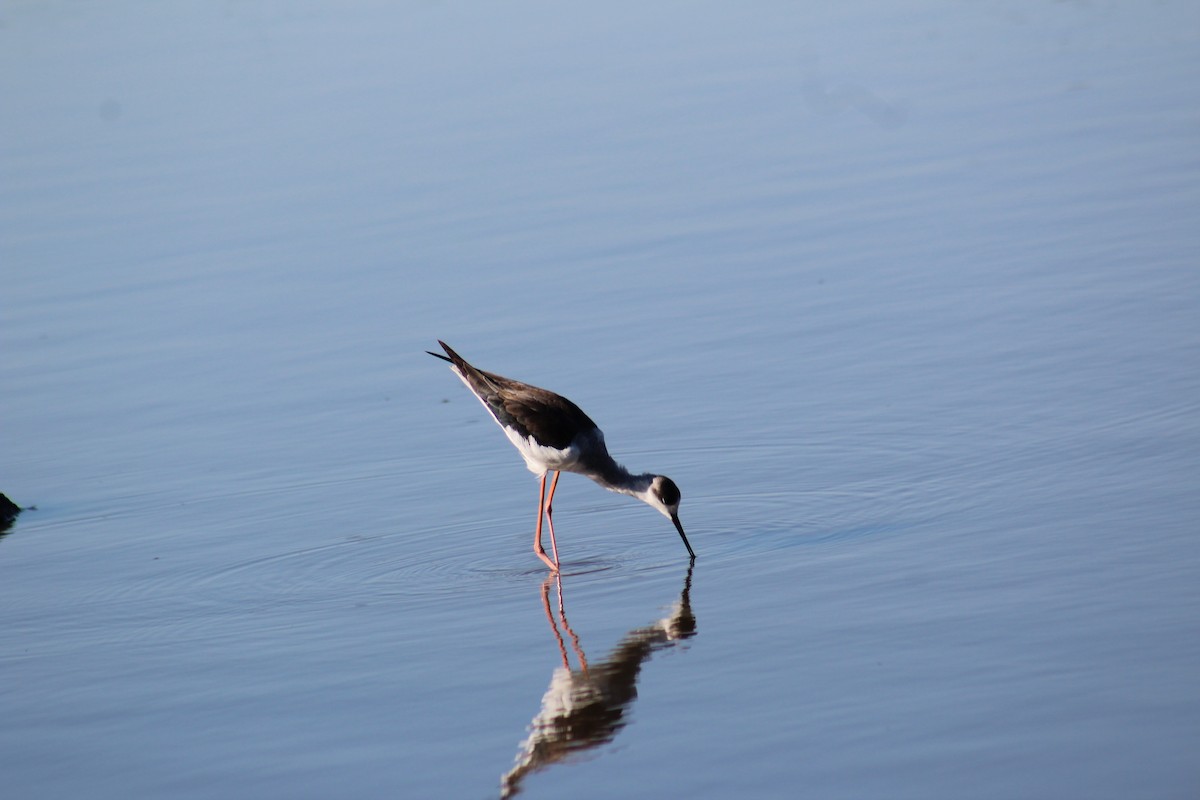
x: 575, y: 645
x: 537, y: 536
x: 550, y: 515
x: 562, y: 648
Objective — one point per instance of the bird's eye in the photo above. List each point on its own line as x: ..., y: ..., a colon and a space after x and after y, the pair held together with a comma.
x: 668, y: 492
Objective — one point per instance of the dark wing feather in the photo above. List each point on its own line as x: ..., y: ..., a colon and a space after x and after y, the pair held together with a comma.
x: 550, y: 418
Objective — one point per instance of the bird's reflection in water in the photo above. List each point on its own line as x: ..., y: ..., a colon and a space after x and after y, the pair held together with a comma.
x: 585, y: 707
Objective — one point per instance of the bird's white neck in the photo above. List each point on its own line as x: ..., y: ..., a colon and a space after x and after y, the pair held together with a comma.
x: 616, y: 478
x: 598, y: 465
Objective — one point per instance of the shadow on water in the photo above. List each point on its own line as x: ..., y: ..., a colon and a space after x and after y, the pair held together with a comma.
x: 585, y: 707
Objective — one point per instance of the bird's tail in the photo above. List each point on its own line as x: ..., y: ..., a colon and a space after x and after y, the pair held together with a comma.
x: 448, y: 350
x: 480, y: 382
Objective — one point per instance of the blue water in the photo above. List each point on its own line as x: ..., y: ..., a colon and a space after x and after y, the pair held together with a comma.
x: 904, y: 298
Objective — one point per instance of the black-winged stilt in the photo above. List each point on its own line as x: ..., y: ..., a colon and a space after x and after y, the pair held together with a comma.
x: 554, y: 435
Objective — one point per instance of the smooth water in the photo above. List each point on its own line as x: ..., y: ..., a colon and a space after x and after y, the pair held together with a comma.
x: 903, y: 296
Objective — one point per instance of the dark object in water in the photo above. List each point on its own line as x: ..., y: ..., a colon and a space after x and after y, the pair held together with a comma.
x: 8, y: 512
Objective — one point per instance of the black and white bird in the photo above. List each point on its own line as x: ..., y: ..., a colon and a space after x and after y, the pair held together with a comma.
x: 554, y: 435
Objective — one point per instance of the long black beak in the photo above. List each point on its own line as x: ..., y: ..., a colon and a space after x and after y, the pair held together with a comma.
x: 682, y: 535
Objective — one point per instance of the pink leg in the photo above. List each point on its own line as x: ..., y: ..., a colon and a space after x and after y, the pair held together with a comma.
x: 550, y: 516
x: 537, y: 537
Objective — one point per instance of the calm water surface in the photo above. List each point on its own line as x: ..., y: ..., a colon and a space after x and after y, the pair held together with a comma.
x: 904, y: 297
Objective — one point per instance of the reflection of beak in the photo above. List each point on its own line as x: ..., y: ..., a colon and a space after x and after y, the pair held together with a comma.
x: 679, y: 527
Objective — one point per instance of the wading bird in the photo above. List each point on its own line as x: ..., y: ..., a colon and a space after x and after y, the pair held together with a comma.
x: 554, y: 435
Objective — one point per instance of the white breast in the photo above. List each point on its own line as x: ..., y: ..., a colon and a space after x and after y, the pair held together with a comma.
x: 540, y: 458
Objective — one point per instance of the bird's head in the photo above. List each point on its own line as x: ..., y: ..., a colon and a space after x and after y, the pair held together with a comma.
x: 664, y: 495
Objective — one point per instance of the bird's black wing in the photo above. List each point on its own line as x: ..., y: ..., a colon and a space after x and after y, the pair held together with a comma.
x: 550, y: 418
